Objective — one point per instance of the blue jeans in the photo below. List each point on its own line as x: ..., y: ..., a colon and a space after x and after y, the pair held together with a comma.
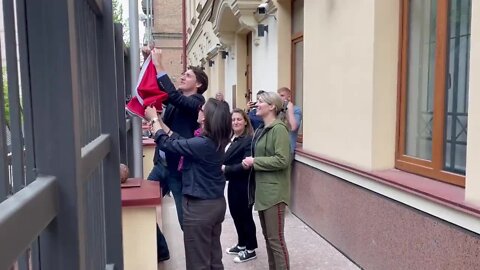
x: 169, y: 181
x: 160, y: 173
x: 175, y: 185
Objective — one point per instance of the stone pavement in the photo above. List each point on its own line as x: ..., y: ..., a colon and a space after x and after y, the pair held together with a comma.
x: 308, y: 251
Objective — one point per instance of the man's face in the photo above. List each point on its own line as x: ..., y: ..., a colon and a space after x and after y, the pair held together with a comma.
x: 285, y: 96
x: 188, y: 81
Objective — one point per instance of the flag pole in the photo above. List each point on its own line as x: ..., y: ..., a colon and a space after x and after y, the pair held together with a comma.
x: 134, y: 69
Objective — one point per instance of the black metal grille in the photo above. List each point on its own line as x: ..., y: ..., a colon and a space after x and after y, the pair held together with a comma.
x: 66, y: 100
x: 456, y: 102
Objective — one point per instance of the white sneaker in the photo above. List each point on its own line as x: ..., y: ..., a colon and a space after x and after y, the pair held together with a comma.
x: 245, y: 256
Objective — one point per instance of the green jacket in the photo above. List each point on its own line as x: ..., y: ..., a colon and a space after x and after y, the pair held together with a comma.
x: 272, y: 166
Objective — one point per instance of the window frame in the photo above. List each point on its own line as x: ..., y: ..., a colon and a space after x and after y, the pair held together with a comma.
x: 295, y: 38
x: 434, y: 168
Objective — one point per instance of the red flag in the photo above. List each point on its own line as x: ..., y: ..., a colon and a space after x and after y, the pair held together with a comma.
x: 147, y: 92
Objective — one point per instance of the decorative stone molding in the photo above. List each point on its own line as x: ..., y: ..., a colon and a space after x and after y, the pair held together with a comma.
x: 243, y: 10
x: 199, y: 7
x: 226, y: 38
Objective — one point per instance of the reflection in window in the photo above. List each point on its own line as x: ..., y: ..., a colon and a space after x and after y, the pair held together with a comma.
x: 421, y: 71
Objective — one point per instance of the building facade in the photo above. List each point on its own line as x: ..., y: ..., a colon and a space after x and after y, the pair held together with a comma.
x: 387, y: 169
x: 167, y: 34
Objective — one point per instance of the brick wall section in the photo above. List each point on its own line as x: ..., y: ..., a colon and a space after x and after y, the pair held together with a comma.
x: 167, y: 33
x: 167, y: 16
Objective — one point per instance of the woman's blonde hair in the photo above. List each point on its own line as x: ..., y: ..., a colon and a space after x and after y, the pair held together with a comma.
x: 272, y: 98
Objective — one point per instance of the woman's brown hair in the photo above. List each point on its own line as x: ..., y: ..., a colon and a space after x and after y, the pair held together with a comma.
x: 248, y: 129
x: 218, y: 122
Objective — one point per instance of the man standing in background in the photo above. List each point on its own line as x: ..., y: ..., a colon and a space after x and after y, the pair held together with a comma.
x: 252, y: 112
x: 294, y: 116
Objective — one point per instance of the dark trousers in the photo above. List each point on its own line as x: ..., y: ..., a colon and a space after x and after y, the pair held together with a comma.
x: 202, y: 226
x: 175, y: 185
x: 242, y: 214
x: 159, y: 173
x: 273, y: 225
x: 162, y: 247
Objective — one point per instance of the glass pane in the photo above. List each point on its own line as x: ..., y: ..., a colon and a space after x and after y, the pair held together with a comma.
x: 457, y: 86
x: 298, y: 47
x: 420, y: 76
x: 297, y: 20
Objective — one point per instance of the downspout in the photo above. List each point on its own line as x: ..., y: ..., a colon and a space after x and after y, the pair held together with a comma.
x: 184, y: 30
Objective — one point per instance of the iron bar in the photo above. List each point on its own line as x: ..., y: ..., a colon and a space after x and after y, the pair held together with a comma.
x: 24, y: 215
x: 93, y: 154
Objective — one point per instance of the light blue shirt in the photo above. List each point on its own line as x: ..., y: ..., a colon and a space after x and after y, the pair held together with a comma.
x: 297, y: 113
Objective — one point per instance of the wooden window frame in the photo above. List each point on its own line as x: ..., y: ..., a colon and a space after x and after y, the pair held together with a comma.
x: 434, y: 168
x: 296, y: 38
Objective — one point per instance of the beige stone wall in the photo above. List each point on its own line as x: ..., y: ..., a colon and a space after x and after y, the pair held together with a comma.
x: 350, y: 80
x: 472, y: 193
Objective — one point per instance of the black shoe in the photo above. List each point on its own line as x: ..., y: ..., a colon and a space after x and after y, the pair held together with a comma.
x: 234, y: 250
x: 163, y: 258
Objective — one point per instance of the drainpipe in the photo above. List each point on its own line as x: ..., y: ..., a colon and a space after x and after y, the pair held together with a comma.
x: 184, y: 30
x: 135, y: 69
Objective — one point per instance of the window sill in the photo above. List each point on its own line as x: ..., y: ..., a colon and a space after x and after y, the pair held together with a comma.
x: 439, y: 192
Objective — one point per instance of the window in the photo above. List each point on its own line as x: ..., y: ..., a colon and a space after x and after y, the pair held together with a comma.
x: 433, y: 92
x: 297, y: 57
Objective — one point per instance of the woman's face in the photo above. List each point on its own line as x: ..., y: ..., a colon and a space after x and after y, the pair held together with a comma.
x: 263, y: 108
x: 201, y: 116
x: 238, y: 123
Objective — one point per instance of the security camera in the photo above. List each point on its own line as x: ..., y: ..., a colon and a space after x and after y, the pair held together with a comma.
x: 262, y: 8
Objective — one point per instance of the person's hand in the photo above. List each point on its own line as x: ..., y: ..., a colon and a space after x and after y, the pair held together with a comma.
x: 146, y: 52
x: 290, y: 106
x: 248, y: 162
x: 157, y: 60
x: 223, y: 168
x: 251, y: 105
x: 151, y: 113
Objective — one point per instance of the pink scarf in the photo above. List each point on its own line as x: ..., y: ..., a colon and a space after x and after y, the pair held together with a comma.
x: 196, y: 133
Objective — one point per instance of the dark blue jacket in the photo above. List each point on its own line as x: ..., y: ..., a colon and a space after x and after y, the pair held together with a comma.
x: 256, y: 120
x: 202, y: 174
x: 180, y: 115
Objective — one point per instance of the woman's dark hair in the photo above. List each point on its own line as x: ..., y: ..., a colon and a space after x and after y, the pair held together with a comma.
x: 218, y: 122
x: 248, y: 129
x: 201, y: 77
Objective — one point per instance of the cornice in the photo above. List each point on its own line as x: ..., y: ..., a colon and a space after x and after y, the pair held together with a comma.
x: 202, y: 18
x: 243, y: 10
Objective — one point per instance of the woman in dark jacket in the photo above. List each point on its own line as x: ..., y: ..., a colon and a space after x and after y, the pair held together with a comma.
x: 203, y: 181
x: 238, y: 176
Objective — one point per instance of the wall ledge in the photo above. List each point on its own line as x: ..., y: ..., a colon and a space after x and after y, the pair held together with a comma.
x: 436, y: 198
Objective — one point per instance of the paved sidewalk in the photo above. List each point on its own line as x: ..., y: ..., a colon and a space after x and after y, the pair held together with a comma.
x: 308, y: 251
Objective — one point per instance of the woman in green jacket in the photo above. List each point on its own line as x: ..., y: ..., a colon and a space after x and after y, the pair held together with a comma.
x: 271, y: 163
